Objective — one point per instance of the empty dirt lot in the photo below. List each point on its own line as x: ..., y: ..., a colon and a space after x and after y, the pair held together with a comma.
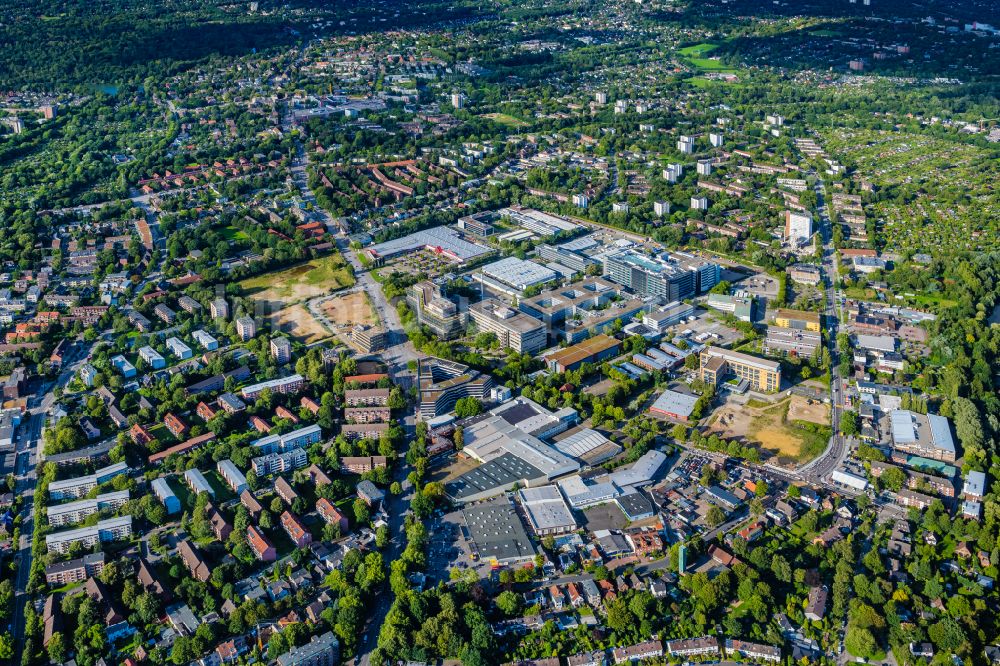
x: 349, y: 310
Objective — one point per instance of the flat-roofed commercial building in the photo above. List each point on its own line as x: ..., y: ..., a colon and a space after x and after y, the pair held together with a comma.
x: 805, y: 274
x: 112, y: 529
x: 369, y: 339
x: 674, y: 277
x: 587, y: 445
x: 798, y: 319
x: 641, y: 473
x: 560, y: 254
x: 497, y: 532
x: 593, y: 350
x: 927, y: 435
x: 78, y: 511
x: 674, y: 405
x: 670, y: 314
x: 796, y: 342
x: 442, y: 240
x: 435, y: 310
x: 575, y: 312
x: 512, y: 275
x: 718, y: 363
x: 515, y: 330
x: 546, y: 511
x: 443, y: 382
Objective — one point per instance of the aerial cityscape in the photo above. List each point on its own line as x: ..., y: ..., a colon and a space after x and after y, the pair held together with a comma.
x: 482, y: 332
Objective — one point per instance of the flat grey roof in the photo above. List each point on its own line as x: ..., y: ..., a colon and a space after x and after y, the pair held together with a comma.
x: 546, y: 509
x: 673, y: 402
x: 438, y: 237
x: 497, y: 531
x: 498, y: 474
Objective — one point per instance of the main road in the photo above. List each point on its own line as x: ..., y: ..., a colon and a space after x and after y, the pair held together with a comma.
x: 28, y: 450
x: 397, y: 357
x: 838, y: 448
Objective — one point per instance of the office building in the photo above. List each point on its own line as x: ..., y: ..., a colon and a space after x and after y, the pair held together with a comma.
x: 925, y: 435
x: 794, y: 342
x: 798, y: 319
x: 111, y: 529
x: 514, y: 330
x: 718, y: 364
x: 592, y: 350
x: 478, y: 224
x: 667, y: 316
x: 435, y: 310
x: 582, y: 309
x: 805, y: 274
x: 674, y: 277
x: 369, y: 339
x: 564, y: 256
x: 443, y: 382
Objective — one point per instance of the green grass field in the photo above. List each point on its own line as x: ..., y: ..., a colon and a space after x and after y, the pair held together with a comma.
x: 302, y: 281
x: 696, y: 56
x: 232, y: 233
x: 505, y: 119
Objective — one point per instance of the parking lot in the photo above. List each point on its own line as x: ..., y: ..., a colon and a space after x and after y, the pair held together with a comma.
x: 707, y: 328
